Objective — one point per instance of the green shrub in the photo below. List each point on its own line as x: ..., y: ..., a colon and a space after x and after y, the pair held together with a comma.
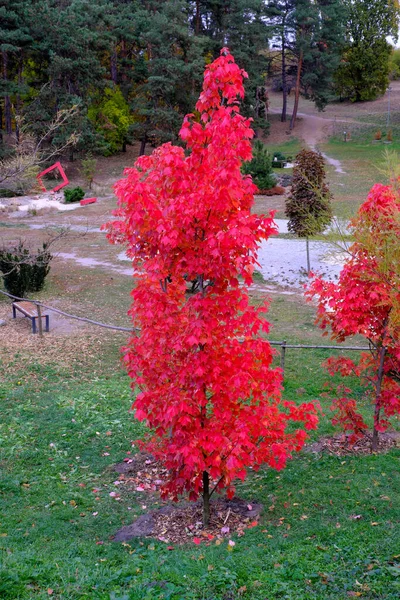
x: 23, y: 270
x: 260, y: 167
x: 73, y: 195
x: 308, y: 207
x: 89, y: 169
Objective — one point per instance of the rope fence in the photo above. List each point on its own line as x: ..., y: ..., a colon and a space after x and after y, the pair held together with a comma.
x: 284, y: 346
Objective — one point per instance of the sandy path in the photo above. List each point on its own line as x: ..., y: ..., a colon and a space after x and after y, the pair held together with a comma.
x: 314, y: 130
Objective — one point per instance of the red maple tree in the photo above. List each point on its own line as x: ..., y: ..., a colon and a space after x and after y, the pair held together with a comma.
x: 366, y: 301
x: 207, y: 388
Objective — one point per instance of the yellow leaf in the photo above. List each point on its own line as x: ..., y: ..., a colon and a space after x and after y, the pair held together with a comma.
x: 3, y: 534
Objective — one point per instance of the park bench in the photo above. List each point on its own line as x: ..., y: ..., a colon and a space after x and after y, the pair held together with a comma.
x: 28, y: 309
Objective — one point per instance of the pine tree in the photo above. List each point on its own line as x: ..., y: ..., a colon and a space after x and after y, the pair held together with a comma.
x: 260, y: 167
x: 281, y: 16
x: 168, y: 72
x: 242, y: 26
x: 317, y: 44
x: 15, y: 38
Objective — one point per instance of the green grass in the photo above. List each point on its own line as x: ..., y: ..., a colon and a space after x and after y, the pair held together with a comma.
x: 62, y: 429
x: 362, y: 163
x: 289, y: 148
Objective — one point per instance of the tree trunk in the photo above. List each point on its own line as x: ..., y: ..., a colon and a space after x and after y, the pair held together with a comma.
x: 284, y: 81
x: 374, y: 445
x: 124, y: 146
x: 297, y: 91
x: 113, y: 66
x: 18, y: 102
x: 206, y: 499
x: 308, y: 256
x: 7, y: 101
x: 143, y: 145
x: 197, y: 26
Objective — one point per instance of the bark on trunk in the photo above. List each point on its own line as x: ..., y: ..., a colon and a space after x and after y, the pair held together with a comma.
x: 284, y: 82
x: 308, y: 256
x: 206, y: 499
x: 7, y: 101
x: 197, y: 26
x: 377, y: 412
x: 113, y: 66
x: 18, y: 102
x: 297, y: 91
x: 142, y: 146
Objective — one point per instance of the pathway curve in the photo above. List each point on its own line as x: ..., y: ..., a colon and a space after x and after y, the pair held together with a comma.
x: 313, y: 130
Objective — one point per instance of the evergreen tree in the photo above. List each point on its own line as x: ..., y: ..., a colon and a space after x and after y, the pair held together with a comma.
x: 364, y: 70
x: 15, y: 38
x: 318, y: 38
x: 242, y: 26
x: 168, y: 72
x: 281, y: 13
x: 308, y: 207
x: 260, y: 167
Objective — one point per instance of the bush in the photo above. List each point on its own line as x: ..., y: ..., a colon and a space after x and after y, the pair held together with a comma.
x: 73, y: 195
x: 277, y: 190
x: 308, y: 207
x: 23, y: 270
x: 260, y: 167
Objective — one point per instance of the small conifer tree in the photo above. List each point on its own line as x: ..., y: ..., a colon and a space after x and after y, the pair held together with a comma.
x: 260, y: 167
x: 308, y: 207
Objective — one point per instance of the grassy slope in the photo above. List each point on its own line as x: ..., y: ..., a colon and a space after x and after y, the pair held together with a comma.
x: 63, y: 426
x: 64, y: 421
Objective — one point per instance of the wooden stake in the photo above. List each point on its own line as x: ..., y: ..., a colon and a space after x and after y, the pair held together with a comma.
x: 40, y: 324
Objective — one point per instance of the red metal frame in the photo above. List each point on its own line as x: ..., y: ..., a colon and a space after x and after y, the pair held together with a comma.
x: 58, y: 166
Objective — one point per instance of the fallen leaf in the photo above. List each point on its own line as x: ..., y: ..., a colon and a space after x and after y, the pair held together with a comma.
x: 196, y: 541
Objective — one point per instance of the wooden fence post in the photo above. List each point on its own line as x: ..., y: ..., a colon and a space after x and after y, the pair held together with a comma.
x: 40, y: 324
x: 283, y: 355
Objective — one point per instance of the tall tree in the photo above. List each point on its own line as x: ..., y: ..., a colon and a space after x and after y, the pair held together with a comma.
x: 366, y: 301
x: 317, y: 44
x: 15, y: 37
x: 167, y: 72
x: 213, y: 402
x: 242, y: 25
x: 364, y: 70
x: 282, y: 22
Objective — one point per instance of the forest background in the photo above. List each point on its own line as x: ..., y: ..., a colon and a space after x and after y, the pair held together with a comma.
x: 130, y: 70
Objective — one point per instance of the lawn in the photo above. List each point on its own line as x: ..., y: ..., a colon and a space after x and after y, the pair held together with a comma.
x: 330, y: 525
x: 329, y: 528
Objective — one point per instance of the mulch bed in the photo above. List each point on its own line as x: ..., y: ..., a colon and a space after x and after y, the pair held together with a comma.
x: 338, y: 445
x: 179, y: 523
x: 182, y: 523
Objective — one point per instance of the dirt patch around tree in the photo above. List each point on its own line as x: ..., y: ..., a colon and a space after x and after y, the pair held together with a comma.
x: 339, y: 445
x: 179, y: 523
